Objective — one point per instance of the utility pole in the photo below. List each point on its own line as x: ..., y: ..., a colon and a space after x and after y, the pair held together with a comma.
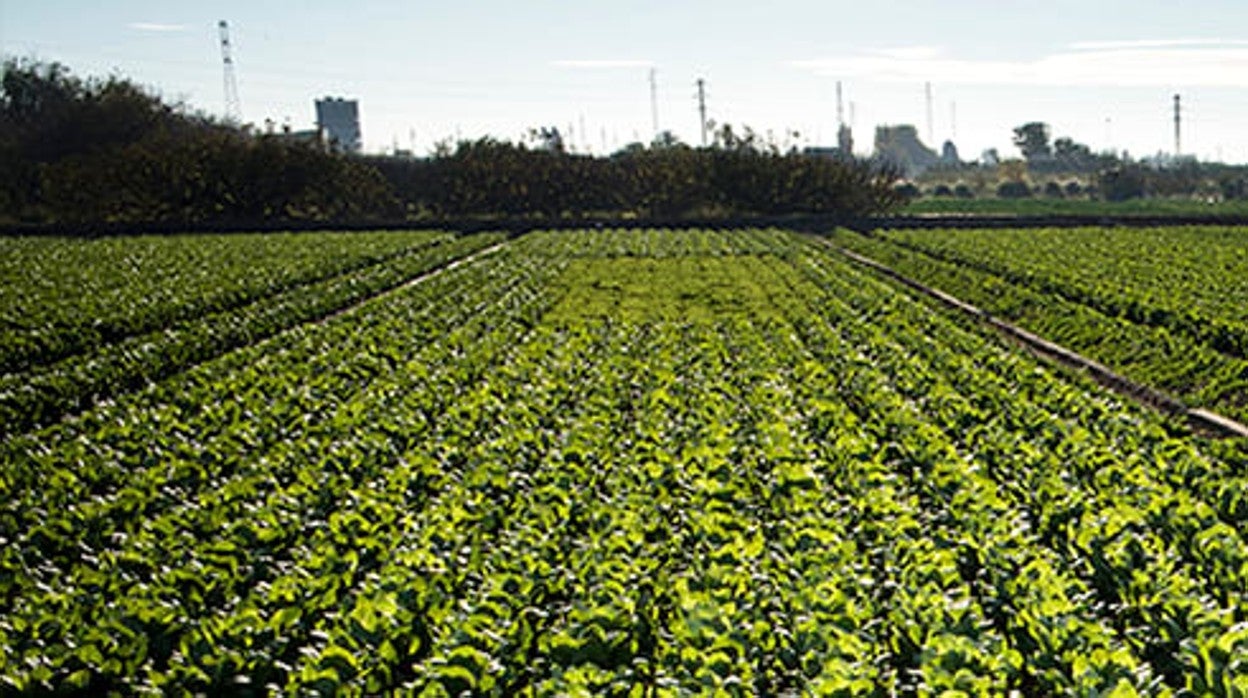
x: 702, y: 107
x: 840, y: 108
x: 927, y: 90
x: 233, y: 107
x: 1177, y: 121
x: 844, y: 134
x: 654, y: 102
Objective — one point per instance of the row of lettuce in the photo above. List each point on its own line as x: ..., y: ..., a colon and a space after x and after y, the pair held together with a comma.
x: 81, y: 152
x: 1162, y: 306
x: 89, y: 320
x: 648, y: 462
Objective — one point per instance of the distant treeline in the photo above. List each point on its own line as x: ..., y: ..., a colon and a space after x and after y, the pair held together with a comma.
x: 76, y: 151
x: 489, y: 177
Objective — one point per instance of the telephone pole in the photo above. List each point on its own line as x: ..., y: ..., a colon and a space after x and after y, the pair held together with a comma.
x: 927, y: 90
x: 1177, y: 121
x: 654, y: 102
x: 702, y: 107
x: 840, y: 108
x: 233, y: 107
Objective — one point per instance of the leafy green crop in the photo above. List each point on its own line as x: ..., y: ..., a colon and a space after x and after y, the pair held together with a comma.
x: 634, y: 462
x: 53, y: 388
x: 1191, y: 281
x: 60, y: 297
x: 1165, y: 357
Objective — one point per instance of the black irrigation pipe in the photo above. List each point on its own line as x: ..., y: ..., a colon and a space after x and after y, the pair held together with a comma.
x: 520, y: 225
x: 512, y: 225
x: 1199, y: 418
x: 928, y: 222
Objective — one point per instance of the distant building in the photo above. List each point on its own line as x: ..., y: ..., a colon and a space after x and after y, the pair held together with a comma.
x: 314, y: 136
x: 900, y: 145
x: 949, y: 154
x: 339, y: 119
x: 821, y: 151
x: 845, y: 140
x: 844, y: 149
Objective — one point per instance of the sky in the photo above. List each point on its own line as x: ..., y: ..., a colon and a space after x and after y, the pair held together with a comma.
x: 1103, y: 72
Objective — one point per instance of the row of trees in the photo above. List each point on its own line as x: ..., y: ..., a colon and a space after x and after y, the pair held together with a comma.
x: 1117, y: 177
x: 76, y: 151
x: 741, y: 177
x: 82, y: 151
x: 1062, y: 168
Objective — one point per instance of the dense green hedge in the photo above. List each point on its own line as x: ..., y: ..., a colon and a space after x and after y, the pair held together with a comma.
x: 488, y: 177
x: 76, y: 151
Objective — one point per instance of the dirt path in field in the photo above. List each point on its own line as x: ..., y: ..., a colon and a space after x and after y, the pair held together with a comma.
x: 414, y: 281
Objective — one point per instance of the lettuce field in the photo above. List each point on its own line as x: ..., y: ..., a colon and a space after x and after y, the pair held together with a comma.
x: 1166, y: 306
x: 629, y: 462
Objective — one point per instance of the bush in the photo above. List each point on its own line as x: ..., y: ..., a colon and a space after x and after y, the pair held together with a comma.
x: 962, y: 191
x: 907, y: 191
x: 84, y: 151
x: 1013, y: 190
x: 1053, y: 190
x: 1122, y: 183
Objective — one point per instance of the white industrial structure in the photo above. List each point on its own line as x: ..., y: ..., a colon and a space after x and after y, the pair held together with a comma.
x: 339, y: 120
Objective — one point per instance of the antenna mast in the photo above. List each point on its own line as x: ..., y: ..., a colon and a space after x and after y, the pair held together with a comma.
x: 233, y: 107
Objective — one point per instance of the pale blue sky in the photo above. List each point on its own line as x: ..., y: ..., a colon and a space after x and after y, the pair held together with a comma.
x: 1102, y: 72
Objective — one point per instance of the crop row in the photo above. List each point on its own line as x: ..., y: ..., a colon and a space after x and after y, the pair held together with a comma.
x: 147, y: 518
x: 742, y: 470
x: 60, y: 297
x: 44, y: 394
x: 1189, y: 281
x: 662, y: 243
x: 1154, y: 356
x: 1151, y: 530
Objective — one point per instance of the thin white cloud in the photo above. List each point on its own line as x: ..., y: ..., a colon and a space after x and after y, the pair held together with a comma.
x: 157, y: 27
x: 1152, y: 43
x: 1139, y: 64
x: 915, y: 53
x: 604, y: 64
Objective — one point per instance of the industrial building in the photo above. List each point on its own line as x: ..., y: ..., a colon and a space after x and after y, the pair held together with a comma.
x: 339, y: 120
